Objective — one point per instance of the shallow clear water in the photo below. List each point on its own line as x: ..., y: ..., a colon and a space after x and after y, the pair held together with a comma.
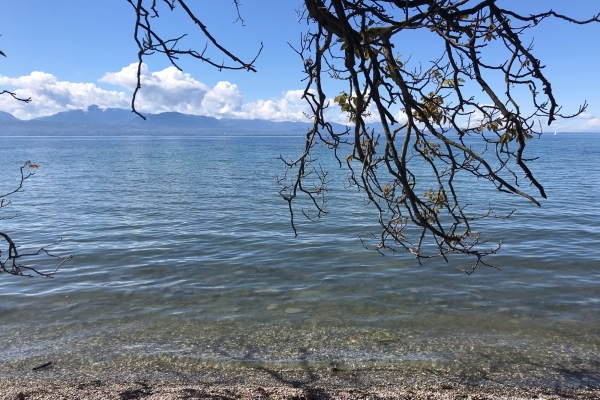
x: 184, y: 257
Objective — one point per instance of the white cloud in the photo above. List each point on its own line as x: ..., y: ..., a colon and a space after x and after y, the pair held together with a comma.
x: 289, y: 108
x: 165, y: 90
x: 162, y: 91
x: 585, y: 121
x: 172, y: 90
x: 372, y: 115
x: 126, y: 77
x: 582, y: 123
x: 223, y: 99
x: 592, y: 124
x: 401, y: 116
x: 49, y: 96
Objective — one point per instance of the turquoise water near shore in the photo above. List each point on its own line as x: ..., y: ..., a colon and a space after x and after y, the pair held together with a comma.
x: 184, y: 257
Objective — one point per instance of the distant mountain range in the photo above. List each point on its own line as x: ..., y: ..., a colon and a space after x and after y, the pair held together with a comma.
x: 4, y: 116
x: 97, y: 121
x: 122, y: 122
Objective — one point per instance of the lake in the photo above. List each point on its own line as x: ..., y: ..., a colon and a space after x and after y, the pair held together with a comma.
x: 185, y: 260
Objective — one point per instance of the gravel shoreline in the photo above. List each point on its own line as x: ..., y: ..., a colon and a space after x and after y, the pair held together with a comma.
x: 270, y: 384
x: 98, y: 389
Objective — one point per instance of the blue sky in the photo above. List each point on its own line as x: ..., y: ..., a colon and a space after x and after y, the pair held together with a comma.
x: 68, y: 54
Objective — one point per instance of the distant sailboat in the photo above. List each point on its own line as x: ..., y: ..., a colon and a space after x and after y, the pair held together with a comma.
x: 555, y: 132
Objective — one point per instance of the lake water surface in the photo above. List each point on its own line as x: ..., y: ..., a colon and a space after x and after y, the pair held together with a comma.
x: 185, y: 259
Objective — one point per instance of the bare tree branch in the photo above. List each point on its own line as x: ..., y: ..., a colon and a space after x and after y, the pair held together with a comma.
x: 409, y: 174
x: 12, y: 264
x: 149, y: 41
x: 15, y: 96
x: 455, y: 119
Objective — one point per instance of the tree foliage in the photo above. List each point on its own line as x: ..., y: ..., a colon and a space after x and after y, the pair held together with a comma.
x: 409, y: 170
x: 360, y: 43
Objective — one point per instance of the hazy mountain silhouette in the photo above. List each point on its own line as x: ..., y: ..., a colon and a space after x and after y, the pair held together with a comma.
x: 118, y: 121
x: 4, y: 116
x: 123, y: 117
x: 93, y: 115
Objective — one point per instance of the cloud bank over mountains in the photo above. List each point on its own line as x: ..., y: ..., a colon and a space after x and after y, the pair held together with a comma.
x: 171, y: 90
x: 50, y: 96
x: 162, y: 91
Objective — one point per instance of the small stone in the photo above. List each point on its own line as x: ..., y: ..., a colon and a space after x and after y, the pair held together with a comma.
x: 292, y: 310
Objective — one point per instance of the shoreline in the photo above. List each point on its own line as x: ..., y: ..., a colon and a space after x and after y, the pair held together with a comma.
x: 166, y: 390
x: 276, y: 384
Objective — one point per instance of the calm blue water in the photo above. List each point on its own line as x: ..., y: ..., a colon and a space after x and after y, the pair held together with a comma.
x: 184, y: 258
